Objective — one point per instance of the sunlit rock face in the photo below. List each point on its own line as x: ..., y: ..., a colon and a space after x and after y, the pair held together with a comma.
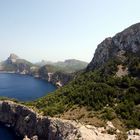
x: 17, y: 65
x: 12, y: 58
x: 117, y: 47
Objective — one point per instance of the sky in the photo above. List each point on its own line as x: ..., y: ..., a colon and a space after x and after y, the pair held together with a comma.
x: 55, y: 30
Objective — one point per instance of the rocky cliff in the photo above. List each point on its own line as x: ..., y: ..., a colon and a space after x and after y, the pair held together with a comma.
x: 50, y: 73
x: 33, y: 126
x: 118, y: 47
x: 43, y: 73
x: 15, y: 64
x: 28, y: 123
x: 60, y: 78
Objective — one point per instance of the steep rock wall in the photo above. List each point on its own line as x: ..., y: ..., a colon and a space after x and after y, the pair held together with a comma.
x: 117, y: 47
x: 26, y: 122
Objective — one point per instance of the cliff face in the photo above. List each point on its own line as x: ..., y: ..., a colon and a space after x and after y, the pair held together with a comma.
x: 118, y: 47
x: 61, y: 79
x: 43, y: 73
x: 50, y: 73
x: 57, y: 78
x: 32, y: 126
x: 12, y: 58
x: 16, y: 64
x: 26, y: 122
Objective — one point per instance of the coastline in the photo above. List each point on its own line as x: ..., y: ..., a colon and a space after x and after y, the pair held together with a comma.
x: 34, y: 76
x: 7, y: 72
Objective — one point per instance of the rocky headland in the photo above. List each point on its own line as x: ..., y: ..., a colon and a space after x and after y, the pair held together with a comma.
x: 28, y: 123
x: 32, y: 126
x: 14, y: 64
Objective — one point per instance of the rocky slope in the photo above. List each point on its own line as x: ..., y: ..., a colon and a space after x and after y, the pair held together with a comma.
x: 118, y: 47
x: 28, y: 123
x: 32, y: 126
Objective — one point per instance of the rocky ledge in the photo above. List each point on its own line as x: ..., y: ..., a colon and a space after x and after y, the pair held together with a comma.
x: 28, y: 123
x: 32, y: 126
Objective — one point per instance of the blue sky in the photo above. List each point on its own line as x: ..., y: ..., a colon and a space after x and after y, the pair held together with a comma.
x: 61, y: 29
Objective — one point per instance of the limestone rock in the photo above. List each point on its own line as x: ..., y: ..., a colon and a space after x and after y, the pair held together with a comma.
x: 134, y: 134
x: 12, y: 58
x: 26, y: 122
x: 17, y: 65
x: 26, y: 138
x: 127, y: 41
x: 60, y: 78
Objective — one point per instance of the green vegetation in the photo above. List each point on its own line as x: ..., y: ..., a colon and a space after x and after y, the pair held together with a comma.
x: 68, y: 66
x: 115, y: 97
x: 101, y: 92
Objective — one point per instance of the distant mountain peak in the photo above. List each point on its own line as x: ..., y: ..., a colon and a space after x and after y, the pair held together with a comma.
x: 13, y: 56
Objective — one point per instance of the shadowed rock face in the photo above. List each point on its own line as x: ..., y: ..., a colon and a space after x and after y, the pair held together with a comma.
x: 26, y: 122
x: 32, y: 126
x: 62, y: 78
x: 43, y: 73
x: 23, y: 120
x: 127, y: 41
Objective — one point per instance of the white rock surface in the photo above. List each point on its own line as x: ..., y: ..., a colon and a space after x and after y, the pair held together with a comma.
x: 134, y: 134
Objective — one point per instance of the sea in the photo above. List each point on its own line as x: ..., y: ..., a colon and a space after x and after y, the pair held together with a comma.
x: 22, y: 88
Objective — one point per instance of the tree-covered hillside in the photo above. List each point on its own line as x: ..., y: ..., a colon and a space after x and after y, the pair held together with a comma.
x: 117, y: 97
x: 110, y: 84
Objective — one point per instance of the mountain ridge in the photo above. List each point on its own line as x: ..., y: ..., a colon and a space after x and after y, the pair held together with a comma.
x: 116, y: 47
x: 67, y: 66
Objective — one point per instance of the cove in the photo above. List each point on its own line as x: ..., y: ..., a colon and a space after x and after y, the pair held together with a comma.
x: 7, y: 133
x: 23, y: 88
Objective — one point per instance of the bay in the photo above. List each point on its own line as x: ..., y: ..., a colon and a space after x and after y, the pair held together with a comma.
x: 23, y: 88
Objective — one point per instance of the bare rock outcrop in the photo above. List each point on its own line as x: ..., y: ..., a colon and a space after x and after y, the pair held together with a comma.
x: 134, y: 134
x: 60, y: 79
x: 16, y: 65
x: 127, y: 41
x: 28, y: 123
x: 33, y: 126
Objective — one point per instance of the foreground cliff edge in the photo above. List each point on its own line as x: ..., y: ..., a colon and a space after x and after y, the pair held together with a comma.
x: 26, y: 122
x: 33, y: 126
